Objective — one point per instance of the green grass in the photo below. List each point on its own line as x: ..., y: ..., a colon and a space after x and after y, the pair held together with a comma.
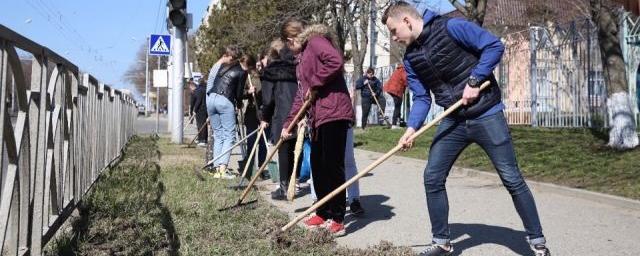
x: 576, y: 158
x: 153, y: 203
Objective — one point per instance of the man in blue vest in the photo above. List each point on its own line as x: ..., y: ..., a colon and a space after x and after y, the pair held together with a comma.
x: 451, y: 58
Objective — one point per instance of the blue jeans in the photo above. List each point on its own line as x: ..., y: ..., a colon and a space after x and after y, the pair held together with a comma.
x: 492, y: 134
x: 222, y: 116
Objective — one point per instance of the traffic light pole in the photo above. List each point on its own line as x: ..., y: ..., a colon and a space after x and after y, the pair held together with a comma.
x: 178, y: 85
x: 178, y: 19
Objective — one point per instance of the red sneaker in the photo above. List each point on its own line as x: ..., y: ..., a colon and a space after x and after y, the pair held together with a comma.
x: 336, y: 228
x: 314, y: 222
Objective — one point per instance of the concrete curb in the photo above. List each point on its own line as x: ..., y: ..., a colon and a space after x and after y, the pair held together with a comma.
x: 610, y: 200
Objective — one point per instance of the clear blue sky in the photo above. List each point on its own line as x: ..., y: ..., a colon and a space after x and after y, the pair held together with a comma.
x: 101, y: 37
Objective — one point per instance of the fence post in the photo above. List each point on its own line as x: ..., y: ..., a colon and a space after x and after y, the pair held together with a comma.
x: 534, y: 75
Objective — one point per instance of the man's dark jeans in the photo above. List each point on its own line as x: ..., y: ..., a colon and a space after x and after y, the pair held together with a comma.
x: 492, y: 134
x: 366, y: 108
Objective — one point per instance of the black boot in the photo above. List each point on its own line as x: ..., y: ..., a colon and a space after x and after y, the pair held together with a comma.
x: 279, y: 194
x: 356, y: 208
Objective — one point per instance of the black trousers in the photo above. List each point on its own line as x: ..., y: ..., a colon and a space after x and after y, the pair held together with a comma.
x: 327, y: 162
x: 285, y: 162
x: 201, y: 119
x: 366, y: 108
x: 397, y: 102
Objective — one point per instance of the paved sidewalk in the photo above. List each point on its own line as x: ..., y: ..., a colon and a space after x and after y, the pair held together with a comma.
x: 483, y: 219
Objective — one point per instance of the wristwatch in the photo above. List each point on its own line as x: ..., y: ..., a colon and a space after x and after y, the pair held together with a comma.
x: 473, y: 82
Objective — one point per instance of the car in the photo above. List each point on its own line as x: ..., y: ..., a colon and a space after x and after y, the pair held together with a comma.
x: 141, y: 109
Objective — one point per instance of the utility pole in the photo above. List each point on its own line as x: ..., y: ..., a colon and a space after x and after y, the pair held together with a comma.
x: 178, y: 85
x: 372, y: 36
x: 158, y: 104
x: 178, y: 19
x: 146, y: 80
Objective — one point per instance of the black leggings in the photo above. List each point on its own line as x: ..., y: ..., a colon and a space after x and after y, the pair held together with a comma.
x: 285, y: 162
x: 327, y: 163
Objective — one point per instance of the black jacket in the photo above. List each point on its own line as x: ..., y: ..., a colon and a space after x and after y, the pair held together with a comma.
x: 230, y: 82
x: 365, y: 92
x: 252, y: 111
x: 279, y: 86
x: 198, y: 101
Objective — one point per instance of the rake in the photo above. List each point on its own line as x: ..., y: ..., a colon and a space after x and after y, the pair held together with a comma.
x: 293, y: 123
x: 375, y: 164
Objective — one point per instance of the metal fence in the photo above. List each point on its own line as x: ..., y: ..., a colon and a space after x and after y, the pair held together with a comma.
x: 552, y: 76
x: 384, y: 73
x: 631, y: 51
x: 61, y: 129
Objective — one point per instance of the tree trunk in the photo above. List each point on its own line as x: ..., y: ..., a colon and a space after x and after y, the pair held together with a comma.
x: 339, y: 17
x: 474, y: 10
x: 623, y: 134
x: 359, y: 41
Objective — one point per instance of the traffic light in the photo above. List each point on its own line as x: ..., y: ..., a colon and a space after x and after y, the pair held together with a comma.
x: 178, y: 13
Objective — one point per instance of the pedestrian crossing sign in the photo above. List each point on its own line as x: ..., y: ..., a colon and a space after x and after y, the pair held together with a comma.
x: 159, y: 45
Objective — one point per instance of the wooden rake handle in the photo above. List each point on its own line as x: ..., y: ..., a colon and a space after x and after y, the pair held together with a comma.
x: 199, y: 131
x: 291, y: 191
x: 376, y: 163
x: 253, y: 151
x: 293, y: 123
x: 375, y: 98
x: 229, y: 149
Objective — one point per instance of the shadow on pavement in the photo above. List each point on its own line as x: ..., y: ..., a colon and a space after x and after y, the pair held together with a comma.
x: 375, y: 210
x: 485, y: 234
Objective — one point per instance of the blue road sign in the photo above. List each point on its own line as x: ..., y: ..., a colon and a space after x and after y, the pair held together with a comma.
x: 159, y: 45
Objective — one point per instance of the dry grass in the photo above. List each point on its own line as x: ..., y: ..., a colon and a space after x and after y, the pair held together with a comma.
x: 154, y: 204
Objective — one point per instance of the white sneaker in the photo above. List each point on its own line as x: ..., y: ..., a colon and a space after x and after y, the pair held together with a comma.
x: 202, y: 144
x: 223, y: 175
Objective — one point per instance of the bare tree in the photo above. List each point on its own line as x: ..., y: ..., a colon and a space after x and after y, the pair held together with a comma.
x: 474, y: 10
x: 397, y: 50
x: 359, y: 18
x: 606, y: 16
x: 350, y: 20
x: 339, y: 21
x: 135, y: 74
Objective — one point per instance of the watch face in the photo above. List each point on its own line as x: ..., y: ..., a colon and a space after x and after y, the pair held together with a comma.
x: 472, y: 81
